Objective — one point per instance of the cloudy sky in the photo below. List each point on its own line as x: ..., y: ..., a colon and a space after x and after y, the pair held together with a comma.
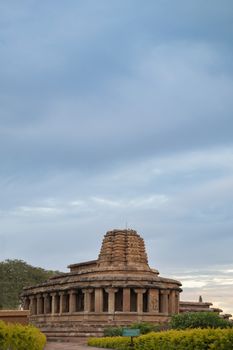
x: 118, y: 113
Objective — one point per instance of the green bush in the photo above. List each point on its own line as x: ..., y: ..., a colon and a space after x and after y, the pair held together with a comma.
x: 146, y: 327
x: 121, y: 343
x: 18, y: 337
x: 4, y: 336
x: 198, y: 320
x: 192, y: 339
x: 113, y: 331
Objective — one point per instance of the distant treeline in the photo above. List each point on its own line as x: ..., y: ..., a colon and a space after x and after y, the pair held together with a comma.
x: 14, y: 276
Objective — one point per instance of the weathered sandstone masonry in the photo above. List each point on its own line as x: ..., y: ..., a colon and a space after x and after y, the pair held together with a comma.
x: 14, y: 316
x: 116, y: 289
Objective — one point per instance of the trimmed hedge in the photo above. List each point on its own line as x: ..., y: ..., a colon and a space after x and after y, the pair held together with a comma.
x: 18, y: 337
x: 121, y: 343
x: 193, y: 339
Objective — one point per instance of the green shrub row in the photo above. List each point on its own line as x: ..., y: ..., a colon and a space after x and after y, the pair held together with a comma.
x: 180, y: 321
x: 192, y: 339
x: 18, y: 337
x: 198, y: 320
x: 144, y: 328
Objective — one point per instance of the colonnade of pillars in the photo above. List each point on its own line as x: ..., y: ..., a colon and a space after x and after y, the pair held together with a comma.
x: 104, y: 300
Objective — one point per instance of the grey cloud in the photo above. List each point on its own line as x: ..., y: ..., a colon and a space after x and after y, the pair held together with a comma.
x: 177, y: 222
x: 111, y: 113
x: 79, y: 134
x: 215, y: 285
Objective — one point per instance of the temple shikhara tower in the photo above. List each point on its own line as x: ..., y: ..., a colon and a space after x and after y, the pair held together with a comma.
x: 118, y: 288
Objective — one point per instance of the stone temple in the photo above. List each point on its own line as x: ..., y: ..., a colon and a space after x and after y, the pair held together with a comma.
x: 118, y: 288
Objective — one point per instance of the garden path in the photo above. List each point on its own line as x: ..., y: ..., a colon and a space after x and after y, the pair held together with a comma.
x: 69, y: 346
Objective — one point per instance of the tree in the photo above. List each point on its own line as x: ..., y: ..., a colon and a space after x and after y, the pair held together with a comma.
x: 14, y: 276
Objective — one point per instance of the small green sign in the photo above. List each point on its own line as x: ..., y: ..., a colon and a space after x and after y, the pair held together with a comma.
x: 131, y: 332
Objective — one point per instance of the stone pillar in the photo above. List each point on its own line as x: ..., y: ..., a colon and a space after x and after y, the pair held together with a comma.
x: 53, y: 306
x: 177, y: 302
x: 63, y: 302
x: 33, y: 305
x: 153, y: 300
x: 87, y: 299
x: 47, y: 309
x: 126, y: 299
x: 98, y: 300
x: 164, y: 301
x: 61, y: 308
x: 39, y: 305
x: 140, y: 293
x: 72, y: 301
x: 111, y: 299
x: 30, y: 304
x: 172, y: 302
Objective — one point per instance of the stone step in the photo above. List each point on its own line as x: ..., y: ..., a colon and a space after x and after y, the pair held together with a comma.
x: 67, y: 337
x: 71, y: 332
